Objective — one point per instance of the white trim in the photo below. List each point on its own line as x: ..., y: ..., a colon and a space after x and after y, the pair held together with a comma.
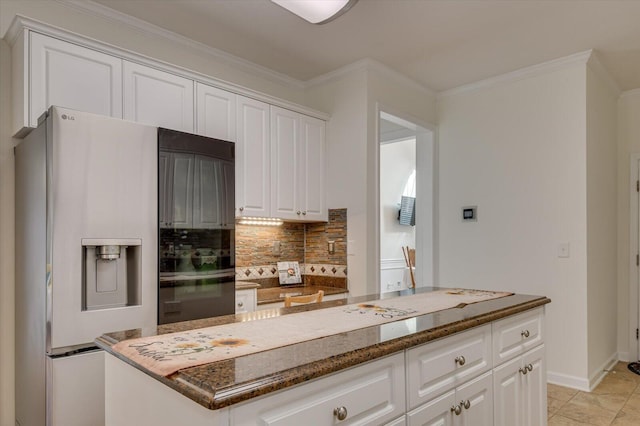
x: 568, y: 381
x: 634, y: 246
x: 633, y: 92
x: 369, y: 64
x: 96, y: 9
x: 596, y: 66
x: 522, y: 73
x: 596, y: 377
x: 21, y: 22
x: 386, y: 264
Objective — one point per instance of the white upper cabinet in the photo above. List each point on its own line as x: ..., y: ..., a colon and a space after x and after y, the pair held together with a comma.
x: 297, y: 159
x: 74, y: 77
x: 158, y: 98
x: 216, y: 113
x: 311, y: 166
x: 253, y: 161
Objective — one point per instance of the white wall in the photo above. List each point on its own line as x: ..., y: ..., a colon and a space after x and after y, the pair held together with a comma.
x: 397, y: 162
x: 352, y: 98
x: 628, y: 143
x: 517, y: 150
x: 601, y: 223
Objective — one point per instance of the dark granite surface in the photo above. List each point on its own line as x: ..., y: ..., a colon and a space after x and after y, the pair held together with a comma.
x: 227, y: 382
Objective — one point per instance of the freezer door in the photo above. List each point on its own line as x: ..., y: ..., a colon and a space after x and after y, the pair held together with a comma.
x: 102, y: 186
x: 75, y: 390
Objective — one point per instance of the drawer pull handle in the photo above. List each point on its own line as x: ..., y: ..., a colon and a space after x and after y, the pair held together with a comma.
x: 529, y: 367
x: 525, y: 333
x: 340, y: 413
x: 456, y: 409
x: 524, y: 371
x: 466, y: 404
x: 460, y: 360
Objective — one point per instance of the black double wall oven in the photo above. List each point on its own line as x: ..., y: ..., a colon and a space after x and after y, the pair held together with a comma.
x: 196, y: 199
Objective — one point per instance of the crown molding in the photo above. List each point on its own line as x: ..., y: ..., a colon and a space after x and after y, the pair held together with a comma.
x: 629, y: 93
x: 369, y: 65
x: 99, y: 10
x: 596, y: 66
x: 522, y: 73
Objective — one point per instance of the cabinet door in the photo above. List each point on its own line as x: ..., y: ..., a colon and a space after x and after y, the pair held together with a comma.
x: 75, y: 77
x: 477, y: 394
x: 515, y: 335
x: 158, y: 98
x: 182, y: 191
x: 285, y: 158
x: 437, y: 412
x: 208, y: 197
x: 253, y: 170
x: 216, y: 113
x: 535, y: 387
x: 507, y: 394
x: 311, y: 165
x: 245, y: 301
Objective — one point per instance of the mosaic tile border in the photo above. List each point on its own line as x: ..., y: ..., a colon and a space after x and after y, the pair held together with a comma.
x: 270, y: 271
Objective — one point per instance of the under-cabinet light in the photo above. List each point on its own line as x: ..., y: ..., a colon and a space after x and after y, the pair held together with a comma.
x: 316, y: 11
x: 260, y: 221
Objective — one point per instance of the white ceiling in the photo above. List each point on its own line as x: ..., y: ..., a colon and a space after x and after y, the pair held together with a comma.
x: 439, y: 44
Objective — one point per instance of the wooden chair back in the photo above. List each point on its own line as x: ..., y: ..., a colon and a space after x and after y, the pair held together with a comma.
x: 311, y: 298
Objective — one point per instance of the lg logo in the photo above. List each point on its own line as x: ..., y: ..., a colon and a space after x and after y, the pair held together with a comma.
x: 67, y: 117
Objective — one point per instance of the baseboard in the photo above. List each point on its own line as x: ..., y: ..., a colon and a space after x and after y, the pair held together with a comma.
x: 625, y: 357
x: 568, y: 381
x: 597, y: 376
x: 581, y: 383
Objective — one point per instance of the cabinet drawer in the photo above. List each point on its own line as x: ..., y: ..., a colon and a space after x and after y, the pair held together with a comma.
x: 371, y: 394
x: 437, y: 367
x: 515, y: 335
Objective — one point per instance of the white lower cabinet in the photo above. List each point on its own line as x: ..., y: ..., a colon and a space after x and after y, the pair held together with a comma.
x: 520, y: 390
x: 470, y: 404
x: 371, y: 394
x: 245, y: 300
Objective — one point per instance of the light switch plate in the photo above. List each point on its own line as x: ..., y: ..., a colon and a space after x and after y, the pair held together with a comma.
x: 563, y: 250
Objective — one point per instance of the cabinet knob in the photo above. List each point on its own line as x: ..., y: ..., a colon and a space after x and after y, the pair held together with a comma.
x: 241, y: 209
x: 460, y: 360
x: 240, y: 304
x: 298, y: 212
x: 525, y: 333
x: 524, y: 371
x: 340, y: 413
x: 529, y: 367
x: 466, y: 404
x: 304, y: 213
x: 456, y: 409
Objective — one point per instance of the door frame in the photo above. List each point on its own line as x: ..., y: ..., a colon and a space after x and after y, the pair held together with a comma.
x: 423, y: 128
x: 634, y: 249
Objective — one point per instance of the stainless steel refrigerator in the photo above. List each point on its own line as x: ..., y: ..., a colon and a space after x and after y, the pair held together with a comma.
x: 86, y: 257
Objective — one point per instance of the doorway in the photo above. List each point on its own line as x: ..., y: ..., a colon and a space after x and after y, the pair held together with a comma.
x: 406, y: 207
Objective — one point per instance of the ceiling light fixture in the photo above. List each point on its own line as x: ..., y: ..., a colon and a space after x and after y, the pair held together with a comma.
x: 316, y: 11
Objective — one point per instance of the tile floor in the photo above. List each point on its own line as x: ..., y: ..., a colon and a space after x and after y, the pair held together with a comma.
x: 616, y: 401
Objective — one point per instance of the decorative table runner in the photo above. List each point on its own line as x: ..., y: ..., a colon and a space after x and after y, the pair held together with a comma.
x: 167, y: 353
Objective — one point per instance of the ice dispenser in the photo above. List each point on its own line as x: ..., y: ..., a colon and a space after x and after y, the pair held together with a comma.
x: 111, y: 273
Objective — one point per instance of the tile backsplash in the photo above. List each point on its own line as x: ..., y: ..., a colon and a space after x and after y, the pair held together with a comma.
x: 306, y: 243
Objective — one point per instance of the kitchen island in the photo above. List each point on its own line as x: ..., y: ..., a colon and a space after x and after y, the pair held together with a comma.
x: 403, y: 372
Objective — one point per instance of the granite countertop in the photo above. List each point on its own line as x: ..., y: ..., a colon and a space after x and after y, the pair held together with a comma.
x: 223, y: 383
x: 276, y: 294
x: 246, y: 285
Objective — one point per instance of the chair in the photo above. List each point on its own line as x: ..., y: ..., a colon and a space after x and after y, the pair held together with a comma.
x: 311, y: 298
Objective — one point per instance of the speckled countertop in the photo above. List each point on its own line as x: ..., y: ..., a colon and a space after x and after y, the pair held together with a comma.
x: 231, y: 381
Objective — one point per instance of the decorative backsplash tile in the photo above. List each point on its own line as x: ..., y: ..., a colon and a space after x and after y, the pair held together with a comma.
x: 307, y: 244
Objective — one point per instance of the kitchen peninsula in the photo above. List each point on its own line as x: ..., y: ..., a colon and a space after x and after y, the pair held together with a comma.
x: 472, y: 359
